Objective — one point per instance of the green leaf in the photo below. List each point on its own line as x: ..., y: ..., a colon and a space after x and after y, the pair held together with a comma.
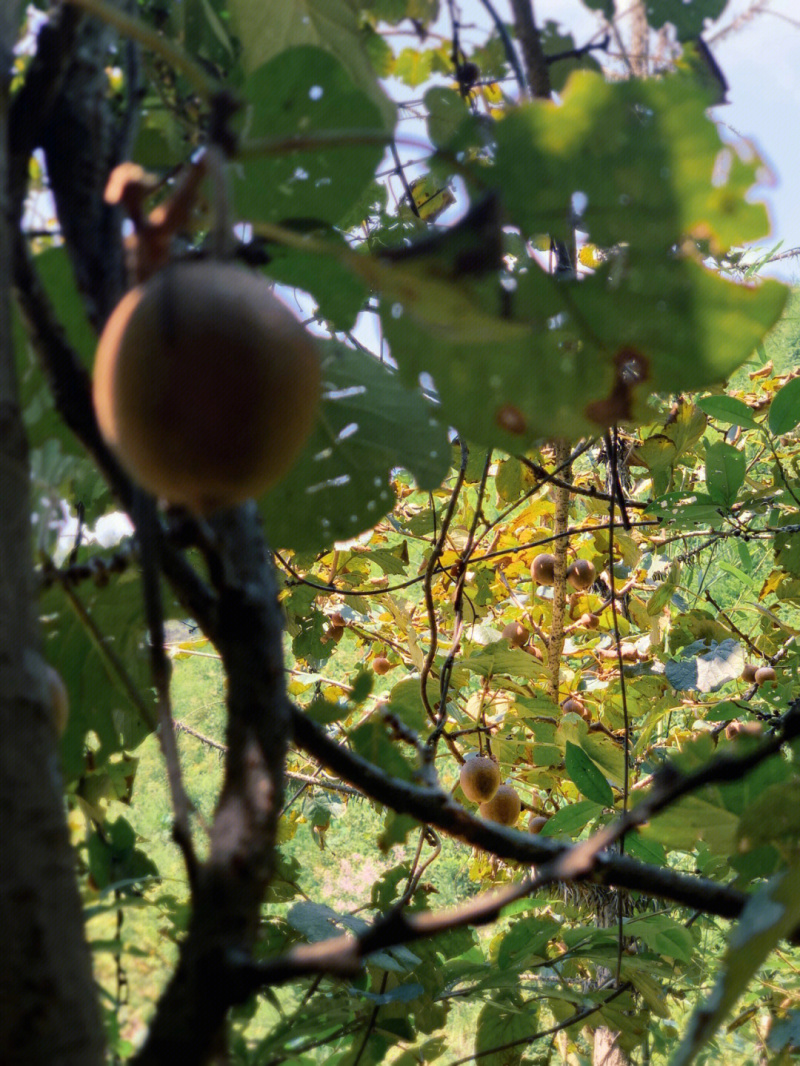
x: 784, y: 411
x: 526, y: 941
x: 267, y: 27
x: 692, y: 820
x: 101, y: 701
x: 500, y: 1022
x: 586, y: 777
x: 774, y: 815
x: 725, y: 470
x: 446, y: 111
x: 339, y: 295
x: 728, y: 410
x: 305, y: 89
x: 771, y: 913
x: 369, y: 424
x: 660, y: 322
x: 606, y: 754
x: 571, y: 820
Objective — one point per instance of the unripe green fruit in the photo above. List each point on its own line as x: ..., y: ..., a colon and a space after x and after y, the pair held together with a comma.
x: 581, y: 574
x: 503, y: 807
x: 480, y: 778
x: 516, y: 634
x: 543, y: 569
x: 205, y: 385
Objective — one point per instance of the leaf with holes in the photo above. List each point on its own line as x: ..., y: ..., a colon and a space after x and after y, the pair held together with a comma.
x: 266, y: 28
x: 536, y: 356
x: 369, y: 423
x: 305, y: 91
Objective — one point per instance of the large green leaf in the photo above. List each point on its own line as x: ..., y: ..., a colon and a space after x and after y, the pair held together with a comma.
x: 648, y: 161
x: 369, y: 423
x: 267, y: 27
x: 527, y: 356
x: 305, y: 92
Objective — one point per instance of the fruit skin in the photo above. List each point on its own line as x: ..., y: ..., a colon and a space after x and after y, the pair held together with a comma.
x: 516, y: 634
x: 480, y: 778
x: 381, y: 665
x: 581, y: 574
x: 737, y: 728
x: 763, y: 674
x: 205, y: 385
x: 572, y: 705
x: 504, y: 807
x: 59, y: 700
x: 589, y: 621
x: 748, y: 674
x: 537, y: 822
x: 543, y: 569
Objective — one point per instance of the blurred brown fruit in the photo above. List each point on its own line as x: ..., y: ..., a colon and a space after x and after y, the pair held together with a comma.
x: 516, y: 634
x: 748, y: 673
x: 205, y: 385
x: 504, y: 807
x: 480, y: 778
x: 381, y: 665
x: 737, y: 728
x: 537, y: 822
x: 763, y: 674
x: 589, y: 621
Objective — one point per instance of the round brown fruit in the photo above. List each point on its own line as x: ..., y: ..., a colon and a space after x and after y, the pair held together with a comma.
x: 532, y: 649
x: 205, y: 385
x: 381, y: 665
x: 581, y: 574
x: 504, y: 807
x: 764, y: 674
x: 516, y: 634
x: 59, y: 700
x: 480, y: 778
x: 628, y: 653
x: 543, y: 569
x: 572, y: 705
x: 749, y: 673
x: 537, y: 822
x: 589, y: 621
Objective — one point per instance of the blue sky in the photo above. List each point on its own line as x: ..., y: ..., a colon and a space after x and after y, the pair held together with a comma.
x: 761, y: 62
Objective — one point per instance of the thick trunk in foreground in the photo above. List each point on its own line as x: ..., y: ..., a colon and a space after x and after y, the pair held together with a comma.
x: 48, y: 1010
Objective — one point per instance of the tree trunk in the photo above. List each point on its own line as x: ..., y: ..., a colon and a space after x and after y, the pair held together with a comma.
x: 48, y: 1009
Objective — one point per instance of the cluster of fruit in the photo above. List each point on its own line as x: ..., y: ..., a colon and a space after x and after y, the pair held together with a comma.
x: 480, y: 782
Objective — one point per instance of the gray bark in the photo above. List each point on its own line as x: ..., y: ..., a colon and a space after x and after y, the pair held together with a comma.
x: 48, y: 1010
